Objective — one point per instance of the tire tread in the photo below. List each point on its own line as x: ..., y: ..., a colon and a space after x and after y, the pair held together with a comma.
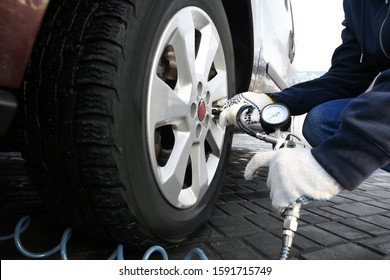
x: 68, y: 111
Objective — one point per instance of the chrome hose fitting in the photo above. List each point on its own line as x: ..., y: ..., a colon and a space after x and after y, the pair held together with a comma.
x: 290, y: 226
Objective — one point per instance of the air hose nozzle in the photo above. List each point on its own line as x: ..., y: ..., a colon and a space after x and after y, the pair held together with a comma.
x: 290, y: 226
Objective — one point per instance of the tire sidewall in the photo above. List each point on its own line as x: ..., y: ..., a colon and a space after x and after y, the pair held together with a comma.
x: 142, y: 191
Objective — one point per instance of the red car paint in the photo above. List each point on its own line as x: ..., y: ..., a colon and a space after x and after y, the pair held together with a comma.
x: 19, y: 24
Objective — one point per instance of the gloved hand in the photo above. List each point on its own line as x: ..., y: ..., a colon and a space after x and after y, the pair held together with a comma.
x: 231, y: 107
x: 293, y: 173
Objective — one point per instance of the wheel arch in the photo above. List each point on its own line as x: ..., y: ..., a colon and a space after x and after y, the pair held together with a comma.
x: 17, y: 39
x: 239, y: 14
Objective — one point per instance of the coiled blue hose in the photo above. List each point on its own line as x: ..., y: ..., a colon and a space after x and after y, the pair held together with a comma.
x: 61, y: 248
x: 189, y: 256
x: 284, y: 252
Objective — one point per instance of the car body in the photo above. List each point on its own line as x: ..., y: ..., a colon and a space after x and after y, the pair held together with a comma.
x: 19, y: 25
x: 115, y: 103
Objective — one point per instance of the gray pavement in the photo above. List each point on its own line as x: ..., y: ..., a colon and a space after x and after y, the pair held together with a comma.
x: 354, y: 225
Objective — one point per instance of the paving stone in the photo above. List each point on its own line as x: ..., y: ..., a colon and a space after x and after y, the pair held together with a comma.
x: 354, y: 196
x: 347, y: 251
x: 339, y: 200
x: 325, y: 214
x: 234, y: 249
x: 179, y: 253
x: 320, y: 236
x: 254, y: 195
x: 234, y: 175
x: 312, y: 218
x: 360, y: 209
x: 381, y: 194
x: 386, y: 214
x: 234, y: 209
x: 337, y: 212
x: 233, y: 226
x: 277, y: 216
x: 387, y: 201
x: 379, y: 204
x: 369, y: 186
x: 205, y: 234
x: 380, y: 244
x: 378, y: 220
x: 364, y: 226
x: 267, y: 244
x: 230, y: 197
x: 304, y: 244
x: 266, y: 204
x: 319, y: 203
x: 258, y: 185
x: 236, y: 188
x: 253, y: 207
x: 343, y: 230
x: 266, y: 221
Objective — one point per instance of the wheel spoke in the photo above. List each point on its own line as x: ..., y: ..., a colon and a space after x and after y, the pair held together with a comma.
x: 167, y: 106
x: 173, y: 173
x: 207, y: 50
x: 218, y: 87
x: 184, y: 45
x: 215, y: 138
x: 200, y: 177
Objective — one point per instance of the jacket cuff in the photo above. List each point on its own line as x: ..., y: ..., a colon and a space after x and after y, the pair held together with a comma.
x: 349, y: 157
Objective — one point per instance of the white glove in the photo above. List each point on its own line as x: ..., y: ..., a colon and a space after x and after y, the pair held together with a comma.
x: 293, y: 173
x: 231, y: 107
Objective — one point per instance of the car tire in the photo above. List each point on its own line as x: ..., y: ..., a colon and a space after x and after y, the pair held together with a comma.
x: 119, y: 137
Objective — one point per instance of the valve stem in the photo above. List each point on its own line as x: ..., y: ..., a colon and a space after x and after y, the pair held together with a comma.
x: 215, y: 111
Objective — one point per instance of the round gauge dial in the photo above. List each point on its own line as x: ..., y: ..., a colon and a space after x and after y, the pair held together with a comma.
x: 275, y: 116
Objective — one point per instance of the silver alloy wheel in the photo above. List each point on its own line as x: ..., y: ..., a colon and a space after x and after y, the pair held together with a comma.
x: 188, y: 78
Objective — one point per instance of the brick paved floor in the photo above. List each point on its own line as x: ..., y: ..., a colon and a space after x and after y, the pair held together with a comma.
x: 353, y: 225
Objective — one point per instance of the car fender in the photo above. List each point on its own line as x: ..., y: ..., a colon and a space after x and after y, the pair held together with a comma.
x: 273, y: 33
x: 17, y: 39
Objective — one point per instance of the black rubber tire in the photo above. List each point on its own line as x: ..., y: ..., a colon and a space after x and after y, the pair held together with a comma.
x: 84, y: 112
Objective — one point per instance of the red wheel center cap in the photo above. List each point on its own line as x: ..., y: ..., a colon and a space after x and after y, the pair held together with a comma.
x: 201, y: 110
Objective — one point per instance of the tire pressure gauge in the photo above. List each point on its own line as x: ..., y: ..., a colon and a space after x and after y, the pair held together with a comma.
x: 275, y: 116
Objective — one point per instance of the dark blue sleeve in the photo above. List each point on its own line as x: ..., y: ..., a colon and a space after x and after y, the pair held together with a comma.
x: 361, y: 144
x: 346, y: 78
